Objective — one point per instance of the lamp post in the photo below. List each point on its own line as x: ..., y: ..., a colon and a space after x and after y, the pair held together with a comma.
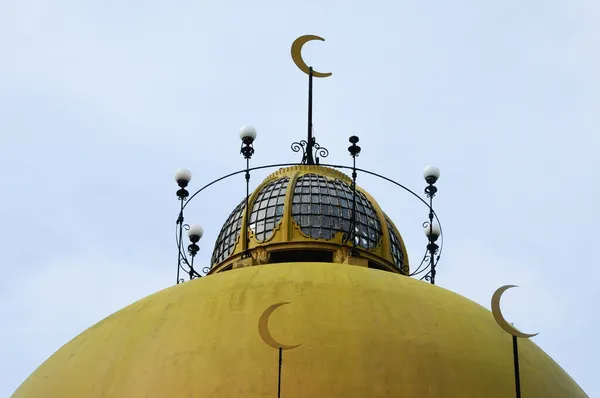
x: 247, y: 135
x: 194, y: 233
x: 183, y: 178
x: 354, y: 152
x: 432, y: 231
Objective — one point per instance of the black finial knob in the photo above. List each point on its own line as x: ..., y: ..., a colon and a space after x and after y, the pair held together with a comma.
x: 354, y: 149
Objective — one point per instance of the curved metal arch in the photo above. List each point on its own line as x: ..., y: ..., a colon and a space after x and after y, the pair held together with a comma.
x: 418, y: 270
x: 407, y: 190
x: 240, y: 172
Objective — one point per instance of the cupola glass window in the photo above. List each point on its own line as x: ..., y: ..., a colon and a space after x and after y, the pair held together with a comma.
x: 395, y: 247
x: 323, y: 207
x: 268, y: 209
x: 229, y: 234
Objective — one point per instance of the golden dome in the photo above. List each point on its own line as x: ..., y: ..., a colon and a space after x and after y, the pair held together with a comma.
x: 304, y: 213
x: 364, y: 333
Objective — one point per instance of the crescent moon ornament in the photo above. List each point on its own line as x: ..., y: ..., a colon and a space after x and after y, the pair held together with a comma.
x: 265, y: 333
x: 500, y: 318
x: 297, y: 54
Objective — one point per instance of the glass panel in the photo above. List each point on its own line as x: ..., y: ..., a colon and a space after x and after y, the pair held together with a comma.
x: 305, y: 221
x: 345, y: 225
x: 315, y: 221
x: 396, y: 250
x: 228, y: 235
x: 279, y: 210
x: 270, y: 225
x: 273, y: 195
x: 332, y: 199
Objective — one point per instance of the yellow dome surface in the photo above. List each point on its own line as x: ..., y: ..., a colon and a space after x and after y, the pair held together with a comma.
x: 364, y: 333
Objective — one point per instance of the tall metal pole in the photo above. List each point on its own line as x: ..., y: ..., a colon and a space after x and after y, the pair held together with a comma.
x: 516, y: 360
x: 310, y: 141
x: 180, y: 223
x: 354, y: 251
x: 279, y: 376
x: 182, y: 193
x: 248, y: 134
x: 354, y: 152
x: 247, y: 240
x: 431, y: 176
x: 432, y: 246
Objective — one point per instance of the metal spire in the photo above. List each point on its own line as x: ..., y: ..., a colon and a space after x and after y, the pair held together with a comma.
x: 310, y: 149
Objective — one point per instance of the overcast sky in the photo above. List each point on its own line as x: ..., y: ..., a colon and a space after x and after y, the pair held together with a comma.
x: 101, y: 101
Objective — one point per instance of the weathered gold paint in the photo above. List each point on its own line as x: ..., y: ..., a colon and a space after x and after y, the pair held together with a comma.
x: 500, y: 320
x: 288, y: 236
x: 265, y: 333
x: 296, y: 51
x: 365, y: 334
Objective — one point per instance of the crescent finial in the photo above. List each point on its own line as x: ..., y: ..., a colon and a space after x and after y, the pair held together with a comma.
x: 297, y: 54
x: 265, y: 333
x: 500, y: 318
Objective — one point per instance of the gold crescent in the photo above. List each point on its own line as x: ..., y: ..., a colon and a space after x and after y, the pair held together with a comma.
x: 263, y: 328
x: 297, y: 54
x: 500, y: 318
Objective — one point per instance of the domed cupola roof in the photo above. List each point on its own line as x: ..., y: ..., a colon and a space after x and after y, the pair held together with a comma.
x: 305, y: 213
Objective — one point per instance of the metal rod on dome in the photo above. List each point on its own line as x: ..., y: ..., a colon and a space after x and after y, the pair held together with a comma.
x: 432, y: 247
x: 310, y: 141
x: 180, y: 224
x: 182, y: 177
x: 516, y: 361
x: 432, y: 231
x: 247, y: 176
x: 510, y: 329
x: 279, y: 374
x: 195, y: 232
x: 354, y: 151
x: 248, y: 135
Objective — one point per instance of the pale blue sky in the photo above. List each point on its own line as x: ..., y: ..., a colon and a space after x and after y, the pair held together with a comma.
x: 101, y: 101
